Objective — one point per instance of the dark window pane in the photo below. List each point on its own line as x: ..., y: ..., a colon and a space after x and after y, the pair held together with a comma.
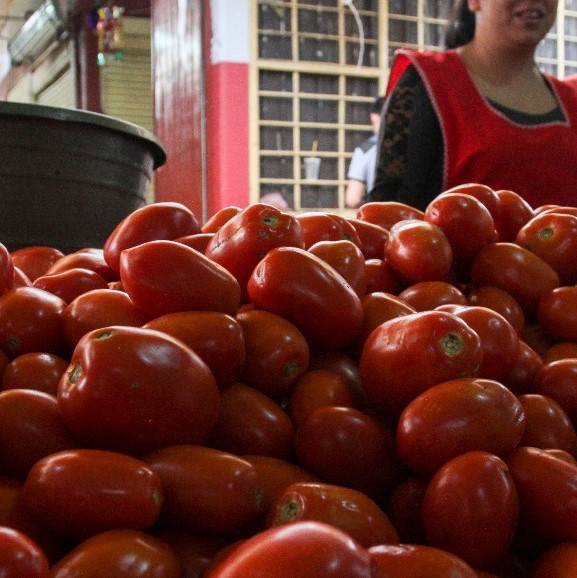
x: 406, y: 7
x: 402, y: 31
x: 272, y: 108
x: 276, y: 138
x: 276, y: 167
x: 277, y: 81
x: 319, y: 22
x: 317, y: 197
x: 327, y: 139
x: 357, y: 112
x: 277, y: 18
x: 319, y: 83
x: 318, y: 50
x: 359, y: 86
x: 275, y: 47
x: 314, y: 110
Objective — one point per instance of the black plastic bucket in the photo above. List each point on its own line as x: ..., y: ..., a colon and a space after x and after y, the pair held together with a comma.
x: 68, y: 177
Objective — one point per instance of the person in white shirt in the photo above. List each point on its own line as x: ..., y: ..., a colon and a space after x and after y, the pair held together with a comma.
x: 361, y: 174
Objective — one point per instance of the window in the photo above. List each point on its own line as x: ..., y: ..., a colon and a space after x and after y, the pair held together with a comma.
x: 317, y: 66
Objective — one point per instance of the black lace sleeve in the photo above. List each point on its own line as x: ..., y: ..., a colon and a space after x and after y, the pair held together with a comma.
x: 410, y: 151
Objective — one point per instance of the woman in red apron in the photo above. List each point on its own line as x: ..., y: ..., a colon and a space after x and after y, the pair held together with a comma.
x: 480, y: 111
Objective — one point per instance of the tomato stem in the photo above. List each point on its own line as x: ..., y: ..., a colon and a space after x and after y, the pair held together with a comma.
x: 452, y: 344
x: 546, y: 233
x: 290, y: 510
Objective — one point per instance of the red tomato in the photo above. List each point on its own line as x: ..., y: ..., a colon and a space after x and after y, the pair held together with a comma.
x: 387, y: 213
x: 347, y: 260
x: 500, y: 301
x: 557, y: 313
x: 553, y: 237
x: 516, y: 270
x: 320, y: 226
x: 277, y: 353
x: 302, y: 288
x: 84, y: 259
x: 216, y: 221
x: 561, y: 350
x: 349, y: 510
x: 38, y: 371
x: 70, y: 283
x: 499, y: 339
x: 20, y: 556
x: 455, y: 417
x: 20, y: 279
x: 212, y: 335
x: 514, y: 212
x: 31, y: 320
x: 100, y: 308
x: 30, y: 428
x: 486, y: 195
x: 404, y: 509
x: 133, y: 390
x: 250, y: 422
x: 547, y: 426
x: 319, y: 388
x: 427, y: 295
x: 418, y: 251
x: 547, y: 494
x: 419, y: 350
x: 557, y: 561
x: 241, y: 242
x: 303, y: 549
x: 157, y: 221
x: 35, y: 260
x: 470, y: 508
x: 519, y: 378
x: 205, y: 489
x: 327, y: 444
x: 6, y: 270
x: 198, y: 241
x: 193, y: 282
x: 419, y: 561
x: 557, y: 380
x: 380, y: 277
x: 83, y: 492
x: 121, y: 553
x: 466, y: 222
x: 372, y: 237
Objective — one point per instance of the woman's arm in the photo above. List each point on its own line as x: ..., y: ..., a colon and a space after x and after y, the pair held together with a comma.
x: 410, y: 150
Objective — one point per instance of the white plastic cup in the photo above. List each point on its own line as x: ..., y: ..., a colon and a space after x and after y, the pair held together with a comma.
x: 312, y: 168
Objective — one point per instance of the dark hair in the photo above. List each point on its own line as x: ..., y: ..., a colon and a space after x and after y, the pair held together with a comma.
x: 377, y: 105
x: 461, y: 26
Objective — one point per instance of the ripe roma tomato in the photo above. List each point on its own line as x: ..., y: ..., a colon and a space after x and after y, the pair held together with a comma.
x: 470, y: 508
x: 561, y: 350
x: 31, y: 320
x: 557, y: 313
x: 466, y: 222
x: 553, y: 237
x: 30, y: 428
x: 455, y: 417
x: 100, y: 308
x: 7, y: 272
x: 350, y: 510
x: 516, y: 270
x: 327, y: 444
x: 500, y: 301
x: 212, y: 335
x: 302, y: 288
x: 83, y: 492
x: 157, y: 221
x: 427, y: 295
x: 20, y: 556
x: 404, y: 509
x: 405, y: 356
x: 133, y: 390
x: 193, y: 282
x: 418, y: 251
x: 320, y: 226
x: 198, y: 241
x: 277, y: 353
x: 547, y: 425
x: 122, y: 553
x: 250, y: 422
x: 520, y: 377
x: 34, y: 370
x: 218, y: 219
x: 241, y: 242
x: 547, y: 494
x: 387, y: 213
x: 70, y: 283
x: 419, y: 561
x: 557, y: 379
x: 381, y: 277
x: 205, y: 489
x: 486, y: 195
x: 373, y: 237
x: 36, y: 260
x: 84, y: 259
x: 557, y: 561
x: 303, y: 549
x: 347, y: 259
x: 514, y: 212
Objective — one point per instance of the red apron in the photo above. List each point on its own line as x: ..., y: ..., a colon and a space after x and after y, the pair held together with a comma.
x: 482, y: 145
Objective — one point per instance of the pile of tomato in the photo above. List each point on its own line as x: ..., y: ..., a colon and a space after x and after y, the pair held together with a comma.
x: 274, y: 394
